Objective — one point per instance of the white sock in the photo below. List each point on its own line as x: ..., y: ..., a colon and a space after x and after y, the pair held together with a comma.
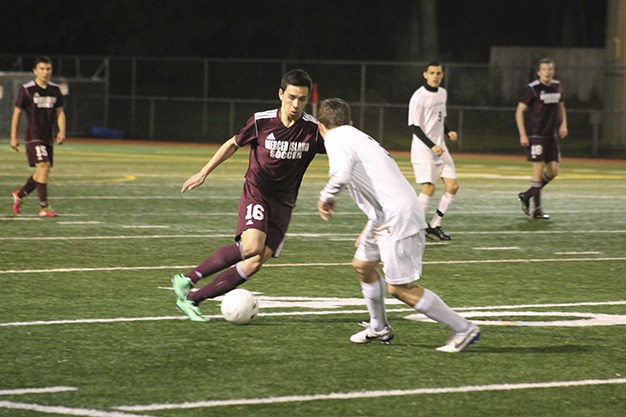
x: 424, y: 200
x: 444, y: 204
x: 432, y: 306
x: 374, y: 294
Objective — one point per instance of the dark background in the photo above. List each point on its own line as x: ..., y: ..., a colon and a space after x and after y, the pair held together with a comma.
x: 325, y: 29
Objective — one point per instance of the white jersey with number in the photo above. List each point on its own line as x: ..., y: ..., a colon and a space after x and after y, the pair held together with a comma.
x: 374, y: 181
x: 427, y: 109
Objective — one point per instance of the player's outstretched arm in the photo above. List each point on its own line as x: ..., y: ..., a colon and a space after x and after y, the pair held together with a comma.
x: 224, y: 152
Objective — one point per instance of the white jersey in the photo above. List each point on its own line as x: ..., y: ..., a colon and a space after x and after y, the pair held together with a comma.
x: 374, y: 181
x: 427, y: 109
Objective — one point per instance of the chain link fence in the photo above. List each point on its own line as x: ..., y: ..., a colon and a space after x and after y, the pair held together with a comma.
x: 207, y: 100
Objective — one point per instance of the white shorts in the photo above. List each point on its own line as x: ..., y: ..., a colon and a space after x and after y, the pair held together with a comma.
x: 401, y: 259
x: 429, y: 172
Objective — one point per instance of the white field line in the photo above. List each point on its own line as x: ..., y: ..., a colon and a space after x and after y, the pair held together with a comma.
x: 290, y: 235
x: 65, y: 411
x: 577, y: 253
x: 47, y: 390
x: 301, y: 312
x: 373, y: 394
x: 500, y: 248
x: 306, y: 264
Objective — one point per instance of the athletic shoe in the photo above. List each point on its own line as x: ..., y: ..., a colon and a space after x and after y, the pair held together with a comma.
x: 46, y: 212
x: 525, y: 203
x: 539, y: 214
x: 16, y: 202
x: 438, y: 231
x: 365, y: 336
x: 460, y: 340
x: 191, y: 310
x: 182, y: 286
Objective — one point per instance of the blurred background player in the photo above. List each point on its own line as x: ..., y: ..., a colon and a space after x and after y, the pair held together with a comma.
x: 42, y: 101
x: 282, y: 142
x: 546, y: 124
x: 429, y: 154
x: 393, y: 234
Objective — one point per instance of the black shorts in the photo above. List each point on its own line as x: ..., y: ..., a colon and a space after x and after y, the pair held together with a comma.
x: 544, y: 149
x: 256, y: 211
x: 38, y: 152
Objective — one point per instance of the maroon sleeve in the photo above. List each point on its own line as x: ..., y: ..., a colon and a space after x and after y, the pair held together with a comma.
x: 247, y: 134
x: 22, y: 98
x: 528, y: 97
x: 60, y: 99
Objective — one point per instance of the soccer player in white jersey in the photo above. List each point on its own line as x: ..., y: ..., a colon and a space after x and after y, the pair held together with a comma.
x: 393, y: 234
x: 429, y: 154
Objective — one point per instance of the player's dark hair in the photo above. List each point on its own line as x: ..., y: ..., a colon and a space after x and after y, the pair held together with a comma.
x: 544, y: 60
x: 432, y: 64
x: 42, y: 59
x: 334, y: 112
x: 297, y: 77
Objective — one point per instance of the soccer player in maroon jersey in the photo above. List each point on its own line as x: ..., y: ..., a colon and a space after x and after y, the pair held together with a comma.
x: 546, y: 125
x: 42, y: 101
x: 282, y: 142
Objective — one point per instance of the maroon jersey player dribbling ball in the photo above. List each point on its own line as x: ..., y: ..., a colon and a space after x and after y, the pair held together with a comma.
x: 282, y: 143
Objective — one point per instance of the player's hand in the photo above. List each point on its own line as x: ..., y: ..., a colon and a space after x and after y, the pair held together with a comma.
x: 523, y: 140
x: 194, y: 181
x: 453, y: 135
x: 60, y: 139
x: 326, y: 209
x: 563, y: 131
x: 438, y: 150
x: 15, y: 144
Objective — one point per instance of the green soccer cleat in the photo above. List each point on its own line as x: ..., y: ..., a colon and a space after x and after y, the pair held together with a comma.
x: 182, y: 286
x: 190, y: 310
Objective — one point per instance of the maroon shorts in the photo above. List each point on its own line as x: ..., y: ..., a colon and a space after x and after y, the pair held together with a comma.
x: 544, y: 149
x: 38, y: 152
x: 256, y: 211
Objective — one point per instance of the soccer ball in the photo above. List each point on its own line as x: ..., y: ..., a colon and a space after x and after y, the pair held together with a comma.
x: 239, y: 306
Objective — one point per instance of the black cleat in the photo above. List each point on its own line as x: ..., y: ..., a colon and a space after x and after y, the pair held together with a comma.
x: 539, y: 214
x: 525, y: 204
x: 438, y: 231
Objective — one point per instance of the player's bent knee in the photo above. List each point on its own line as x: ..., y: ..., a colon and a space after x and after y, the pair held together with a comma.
x: 252, y: 265
x: 250, y: 250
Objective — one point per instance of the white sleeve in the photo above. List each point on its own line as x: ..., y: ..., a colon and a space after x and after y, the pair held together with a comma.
x: 415, y: 111
x: 335, y: 184
x: 339, y: 167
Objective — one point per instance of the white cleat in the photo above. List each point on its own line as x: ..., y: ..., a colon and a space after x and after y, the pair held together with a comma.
x: 365, y: 336
x: 460, y: 340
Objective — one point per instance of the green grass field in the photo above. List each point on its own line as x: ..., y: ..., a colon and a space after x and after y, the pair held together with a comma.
x: 89, y: 327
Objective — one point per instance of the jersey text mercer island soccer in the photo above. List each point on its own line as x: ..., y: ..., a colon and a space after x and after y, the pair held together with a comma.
x: 279, y: 155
